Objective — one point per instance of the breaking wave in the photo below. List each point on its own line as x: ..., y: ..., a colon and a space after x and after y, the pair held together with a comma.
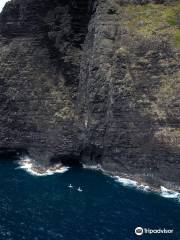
x: 163, y: 192
x: 34, y: 169
x: 124, y: 181
x: 167, y: 193
x: 131, y: 183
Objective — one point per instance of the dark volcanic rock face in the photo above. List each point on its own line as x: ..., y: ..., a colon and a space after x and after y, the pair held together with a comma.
x: 94, y: 80
x: 39, y: 61
x: 130, y: 93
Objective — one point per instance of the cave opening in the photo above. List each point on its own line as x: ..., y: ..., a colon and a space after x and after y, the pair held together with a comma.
x: 67, y: 160
x: 92, y: 155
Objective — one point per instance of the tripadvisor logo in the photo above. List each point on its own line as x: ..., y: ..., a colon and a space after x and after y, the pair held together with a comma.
x: 140, y: 231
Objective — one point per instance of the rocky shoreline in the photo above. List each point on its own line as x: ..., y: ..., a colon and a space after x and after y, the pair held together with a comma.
x: 164, y: 189
x: 36, y: 169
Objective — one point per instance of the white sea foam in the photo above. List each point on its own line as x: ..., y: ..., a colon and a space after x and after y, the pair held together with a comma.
x: 126, y: 181
x: 31, y: 167
x: 164, y: 192
x: 144, y: 188
x: 131, y: 183
x: 167, y: 193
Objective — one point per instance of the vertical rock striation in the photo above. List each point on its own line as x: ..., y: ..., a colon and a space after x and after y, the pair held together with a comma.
x: 129, y: 90
x: 91, y: 80
x: 40, y: 58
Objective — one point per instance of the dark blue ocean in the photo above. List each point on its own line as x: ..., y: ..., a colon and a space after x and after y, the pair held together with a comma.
x: 44, y: 208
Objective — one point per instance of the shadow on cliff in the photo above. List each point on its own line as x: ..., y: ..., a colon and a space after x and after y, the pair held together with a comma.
x: 11, y: 154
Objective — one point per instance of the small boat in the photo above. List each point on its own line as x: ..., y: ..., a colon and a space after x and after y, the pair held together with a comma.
x: 79, y: 189
x: 70, y: 186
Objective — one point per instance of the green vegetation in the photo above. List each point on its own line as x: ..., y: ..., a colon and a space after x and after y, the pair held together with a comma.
x: 178, y: 37
x: 174, y: 17
x: 154, y: 20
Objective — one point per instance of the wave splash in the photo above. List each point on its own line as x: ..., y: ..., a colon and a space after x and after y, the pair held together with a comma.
x: 131, y: 183
x: 34, y: 169
x: 163, y: 192
x: 167, y: 193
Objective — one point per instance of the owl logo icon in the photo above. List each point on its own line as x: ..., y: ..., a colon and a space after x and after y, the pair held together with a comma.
x: 139, y: 231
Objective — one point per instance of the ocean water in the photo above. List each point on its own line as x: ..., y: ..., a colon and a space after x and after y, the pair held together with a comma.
x: 45, y: 208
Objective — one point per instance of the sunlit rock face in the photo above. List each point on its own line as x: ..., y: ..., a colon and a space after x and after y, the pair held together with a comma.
x: 96, y: 81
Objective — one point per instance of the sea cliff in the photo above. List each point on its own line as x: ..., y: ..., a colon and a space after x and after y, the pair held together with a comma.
x: 93, y: 82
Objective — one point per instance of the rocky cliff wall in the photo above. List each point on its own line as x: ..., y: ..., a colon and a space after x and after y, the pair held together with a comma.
x: 96, y: 81
x: 39, y: 62
x: 129, y: 89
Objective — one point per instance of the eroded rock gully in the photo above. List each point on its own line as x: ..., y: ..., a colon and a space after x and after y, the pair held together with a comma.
x: 87, y: 80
